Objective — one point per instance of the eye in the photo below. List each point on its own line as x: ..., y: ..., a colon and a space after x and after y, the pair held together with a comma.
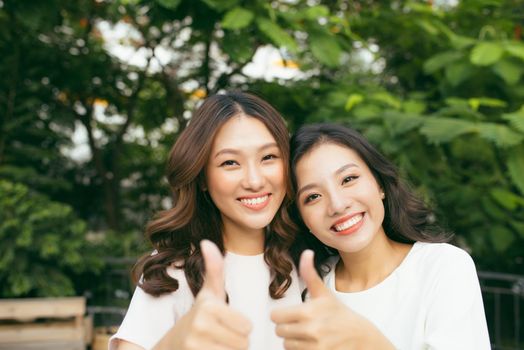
x: 311, y: 197
x: 229, y: 163
x: 269, y: 157
x: 348, y: 179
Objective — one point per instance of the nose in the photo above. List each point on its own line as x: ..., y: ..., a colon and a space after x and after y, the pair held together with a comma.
x: 254, y: 178
x: 337, y: 203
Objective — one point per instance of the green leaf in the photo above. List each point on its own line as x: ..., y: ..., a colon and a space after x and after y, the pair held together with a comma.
x: 276, y: 34
x: 441, y: 60
x: 456, y: 102
x: 367, y: 112
x: 427, y: 26
x: 220, y: 5
x: 500, y: 135
x: 515, y: 49
x: 315, y: 12
x: 501, y: 238
x: 237, y: 18
x: 387, y: 99
x: 460, y: 42
x: 170, y: 4
x: 515, y: 164
x: 518, y: 226
x: 476, y: 102
x: 442, y: 130
x: 238, y: 47
x: 486, y: 53
x: 458, y: 72
x: 509, y: 71
x: 413, y: 106
x: 353, y: 100
x: 506, y: 199
x: 516, y: 119
x: 400, y: 122
x: 325, y: 48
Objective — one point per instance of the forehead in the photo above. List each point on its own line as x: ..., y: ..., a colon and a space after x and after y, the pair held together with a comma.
x: 242, y: 132
x: 324, y: 160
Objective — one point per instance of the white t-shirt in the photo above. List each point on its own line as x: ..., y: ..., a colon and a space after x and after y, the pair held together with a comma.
x: 432, y: 300
x: 247, y: 279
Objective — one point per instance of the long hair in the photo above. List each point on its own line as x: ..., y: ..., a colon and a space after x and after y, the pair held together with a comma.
x: 175, y: 233
x: 406, y: 218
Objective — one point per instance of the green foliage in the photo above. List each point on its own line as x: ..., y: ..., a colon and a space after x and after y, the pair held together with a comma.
x: 43, y: 245
x: 438, y: 88
x: 237, y: 18
x: 276, y: 34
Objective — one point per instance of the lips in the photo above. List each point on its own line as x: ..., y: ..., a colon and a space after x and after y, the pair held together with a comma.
x: 348, y: 224
x: 255, y: 202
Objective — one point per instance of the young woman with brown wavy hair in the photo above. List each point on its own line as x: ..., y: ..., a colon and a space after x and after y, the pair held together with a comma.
x: 390, y: 280
x: 228, y: 173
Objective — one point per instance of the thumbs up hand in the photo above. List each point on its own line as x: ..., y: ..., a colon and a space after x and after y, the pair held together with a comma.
x: 323, y: 322
x: 211, y: 323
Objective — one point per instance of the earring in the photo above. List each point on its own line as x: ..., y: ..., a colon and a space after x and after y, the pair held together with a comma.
x: 382, y: 195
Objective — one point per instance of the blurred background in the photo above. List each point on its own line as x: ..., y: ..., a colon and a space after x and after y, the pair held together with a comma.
x: 93, y: 93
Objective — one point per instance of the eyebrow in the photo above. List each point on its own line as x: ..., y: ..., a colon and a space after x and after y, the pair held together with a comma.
x: 338, y: 171
x: 236, y: 151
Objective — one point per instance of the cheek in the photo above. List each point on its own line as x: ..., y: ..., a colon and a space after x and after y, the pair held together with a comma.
x: 277, y: 174
x: 219, y: 181
x: 308, y: 216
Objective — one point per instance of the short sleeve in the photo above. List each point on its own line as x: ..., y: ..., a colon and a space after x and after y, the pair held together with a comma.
x: 456, y: 318
x: 148, y: 318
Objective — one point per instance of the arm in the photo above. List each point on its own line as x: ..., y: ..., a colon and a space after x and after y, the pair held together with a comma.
x: 456, y: 318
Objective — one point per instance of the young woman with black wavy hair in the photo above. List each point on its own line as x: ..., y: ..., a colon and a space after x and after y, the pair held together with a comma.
x: 390, y: 280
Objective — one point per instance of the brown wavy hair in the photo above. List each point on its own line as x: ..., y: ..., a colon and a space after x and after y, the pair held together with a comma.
x: 175, y: 233
x: 407, y: 219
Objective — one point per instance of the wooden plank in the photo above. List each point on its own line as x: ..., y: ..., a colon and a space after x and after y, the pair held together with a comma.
x: 76, y: 345
x: 88, y: 329
x: 41, y: 332
x: 28, y: 309
x: 101, y: 342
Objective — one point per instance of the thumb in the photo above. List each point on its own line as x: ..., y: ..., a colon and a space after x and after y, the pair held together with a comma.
x: 214, y: 269
x: 314, y: 283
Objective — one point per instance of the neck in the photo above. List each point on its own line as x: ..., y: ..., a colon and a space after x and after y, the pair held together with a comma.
x: 244, y: 242
x: 357, y: 271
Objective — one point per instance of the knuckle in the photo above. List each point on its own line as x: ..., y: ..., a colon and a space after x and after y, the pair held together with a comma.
x: 243, y: 343
x: 199, y: 325
x: 313, y: 330
x: 280, y: 330
x: 190, y: 343
x: 289, y: 344
x: 307, y: 313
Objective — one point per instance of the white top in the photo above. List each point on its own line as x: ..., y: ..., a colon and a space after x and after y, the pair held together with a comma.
x: 432, y: 300
x: 247, y: 279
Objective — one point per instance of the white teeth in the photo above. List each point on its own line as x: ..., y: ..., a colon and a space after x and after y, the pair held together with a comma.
x: 347, y: 224
x: 254, y: 201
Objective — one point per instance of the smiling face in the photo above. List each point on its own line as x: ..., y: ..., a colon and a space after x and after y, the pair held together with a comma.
x: 338, y: 197
x: 245, y: 175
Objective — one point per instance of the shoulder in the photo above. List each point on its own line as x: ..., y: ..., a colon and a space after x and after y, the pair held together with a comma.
x: 149, y: 317
x: 443, y: 265
x: 441, y: 255
x: 177, y: 300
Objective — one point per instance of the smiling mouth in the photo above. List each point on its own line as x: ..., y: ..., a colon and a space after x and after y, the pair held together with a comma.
x: 348, y: 226
x: 256, y: 203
